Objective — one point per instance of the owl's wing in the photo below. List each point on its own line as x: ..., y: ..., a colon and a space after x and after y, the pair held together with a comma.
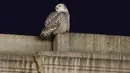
x: 50, y: 18
x: 53, y: 21
x: 51, y: 24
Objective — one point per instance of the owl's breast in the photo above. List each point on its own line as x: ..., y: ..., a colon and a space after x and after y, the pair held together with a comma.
x: 64, y: 22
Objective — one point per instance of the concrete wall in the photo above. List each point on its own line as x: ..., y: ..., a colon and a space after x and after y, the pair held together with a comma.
x: 65, y: 62
x: 22, y: 45
x: 17, y: 64
x: 73, y: 53
x: 68, y: 62
x: 75, y: 42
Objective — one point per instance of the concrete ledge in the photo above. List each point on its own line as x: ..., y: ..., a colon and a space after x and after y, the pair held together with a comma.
x: 96, y: 56
x: 64, y: 62
x: 70, y: 62
x: 22, y: 45
x: 74, y: 53
x: 17, y: 64
x: 78, y: 42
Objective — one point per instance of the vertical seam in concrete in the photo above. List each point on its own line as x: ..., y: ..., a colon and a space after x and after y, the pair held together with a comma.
x: 69, y: 41
x: 36, y: 63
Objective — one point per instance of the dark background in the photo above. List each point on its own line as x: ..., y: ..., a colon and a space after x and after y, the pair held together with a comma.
x: 27, y: 17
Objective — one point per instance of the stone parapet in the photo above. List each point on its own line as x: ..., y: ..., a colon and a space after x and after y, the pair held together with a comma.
x: 65, y: 62
x: 70, y: 62
x: 80, y: 42
x: 17, y: 64
x: 22, y: 44
x: 70, y: 53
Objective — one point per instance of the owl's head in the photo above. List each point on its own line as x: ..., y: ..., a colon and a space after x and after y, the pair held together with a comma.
x: 61, y: 8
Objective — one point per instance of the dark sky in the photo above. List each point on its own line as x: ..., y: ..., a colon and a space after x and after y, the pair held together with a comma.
x: 27, y: 17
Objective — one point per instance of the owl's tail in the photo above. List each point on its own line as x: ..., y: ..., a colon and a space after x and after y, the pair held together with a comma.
x: 45, y: 35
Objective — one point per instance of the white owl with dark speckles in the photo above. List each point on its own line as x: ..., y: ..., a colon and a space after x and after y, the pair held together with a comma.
x: 57, y: 22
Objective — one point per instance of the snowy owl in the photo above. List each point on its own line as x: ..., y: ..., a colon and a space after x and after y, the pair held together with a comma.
x: 57, y: 22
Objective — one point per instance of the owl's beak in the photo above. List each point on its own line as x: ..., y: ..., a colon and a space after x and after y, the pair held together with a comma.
x: 56, y: 8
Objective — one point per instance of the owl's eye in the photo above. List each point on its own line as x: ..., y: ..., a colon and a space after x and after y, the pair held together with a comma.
x: 59, y: 5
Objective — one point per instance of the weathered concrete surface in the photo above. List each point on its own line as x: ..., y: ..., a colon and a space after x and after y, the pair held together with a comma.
x: 103, y: 54
x: 22, y: 45
x: 78, y: 42
x: 65, y: 62
x: 17, y: 64
x: 68, y: 62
